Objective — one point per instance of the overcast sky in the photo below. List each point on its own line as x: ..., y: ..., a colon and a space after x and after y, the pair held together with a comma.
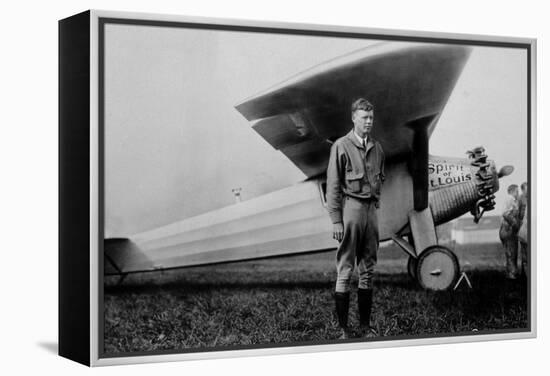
x: 175, y: 146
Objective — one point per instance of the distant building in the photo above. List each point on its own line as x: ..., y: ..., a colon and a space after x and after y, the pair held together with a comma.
x: 444, y: 233
x: 465, y: 231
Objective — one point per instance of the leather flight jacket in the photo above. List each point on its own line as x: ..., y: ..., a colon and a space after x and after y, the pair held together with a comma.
x: 353, y: 171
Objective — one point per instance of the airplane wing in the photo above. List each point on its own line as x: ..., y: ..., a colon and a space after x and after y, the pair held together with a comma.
x: 406, y: 83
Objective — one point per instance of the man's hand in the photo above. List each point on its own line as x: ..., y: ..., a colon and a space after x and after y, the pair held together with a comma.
x: 338, y: 232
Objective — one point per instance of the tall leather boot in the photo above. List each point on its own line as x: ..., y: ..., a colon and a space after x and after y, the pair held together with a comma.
x: 342, y: 310
x: 364, y: 302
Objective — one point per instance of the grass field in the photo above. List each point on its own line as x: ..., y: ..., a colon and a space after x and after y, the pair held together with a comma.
x: 289, y: 300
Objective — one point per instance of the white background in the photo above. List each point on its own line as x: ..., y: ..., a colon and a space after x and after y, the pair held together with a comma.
x: 28, y: 335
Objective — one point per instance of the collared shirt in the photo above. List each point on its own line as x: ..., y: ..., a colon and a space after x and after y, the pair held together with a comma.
x: 362, y: 141
x: 353, y: 171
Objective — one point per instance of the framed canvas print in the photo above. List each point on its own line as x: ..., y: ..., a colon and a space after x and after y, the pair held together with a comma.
x: 234, y: 188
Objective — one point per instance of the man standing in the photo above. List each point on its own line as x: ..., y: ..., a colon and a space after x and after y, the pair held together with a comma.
x: 509, y: 230
x: 354, y: 176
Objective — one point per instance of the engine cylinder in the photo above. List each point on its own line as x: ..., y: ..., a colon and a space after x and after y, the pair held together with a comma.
x: 451, y: 202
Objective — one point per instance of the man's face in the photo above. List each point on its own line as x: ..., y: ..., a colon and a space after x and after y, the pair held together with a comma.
x: 515, y: 193
x: 362, y: 122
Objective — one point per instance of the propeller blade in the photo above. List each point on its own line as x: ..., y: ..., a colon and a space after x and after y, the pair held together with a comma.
x: 505, y: 171
x: 418, y: 165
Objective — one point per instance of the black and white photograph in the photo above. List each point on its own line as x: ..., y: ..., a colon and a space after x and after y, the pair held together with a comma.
x: 275, y: 188
x: 267, y: 187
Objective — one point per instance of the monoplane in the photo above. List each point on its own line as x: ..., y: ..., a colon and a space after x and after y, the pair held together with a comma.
x: 410, y: 85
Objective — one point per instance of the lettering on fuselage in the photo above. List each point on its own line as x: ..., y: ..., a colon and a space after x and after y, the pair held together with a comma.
x: 447, y: 172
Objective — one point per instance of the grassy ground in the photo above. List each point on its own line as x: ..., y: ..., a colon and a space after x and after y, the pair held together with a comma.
x: 289, y: 300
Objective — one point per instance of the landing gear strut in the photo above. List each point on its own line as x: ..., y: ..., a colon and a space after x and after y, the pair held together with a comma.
x: 434, y: 266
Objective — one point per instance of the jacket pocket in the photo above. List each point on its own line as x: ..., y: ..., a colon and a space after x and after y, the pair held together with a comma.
x: 354, y: 181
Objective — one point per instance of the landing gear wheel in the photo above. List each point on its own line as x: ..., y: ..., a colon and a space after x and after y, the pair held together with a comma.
x: 411, y: 267
x: 437, y: 268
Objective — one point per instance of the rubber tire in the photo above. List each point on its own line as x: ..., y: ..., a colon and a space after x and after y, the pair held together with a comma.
x: 411, y: 267
x: 438, y: 258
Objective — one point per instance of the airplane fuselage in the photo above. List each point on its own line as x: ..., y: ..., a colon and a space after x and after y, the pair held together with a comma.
x: 294, y: 219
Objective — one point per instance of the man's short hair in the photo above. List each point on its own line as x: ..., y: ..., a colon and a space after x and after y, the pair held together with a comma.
x: 512, y: 188
x: 361, y: 104
x: 524, y: 186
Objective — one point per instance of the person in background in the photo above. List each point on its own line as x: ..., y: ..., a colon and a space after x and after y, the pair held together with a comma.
x: 508, y: 231
x: 522, y: 233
